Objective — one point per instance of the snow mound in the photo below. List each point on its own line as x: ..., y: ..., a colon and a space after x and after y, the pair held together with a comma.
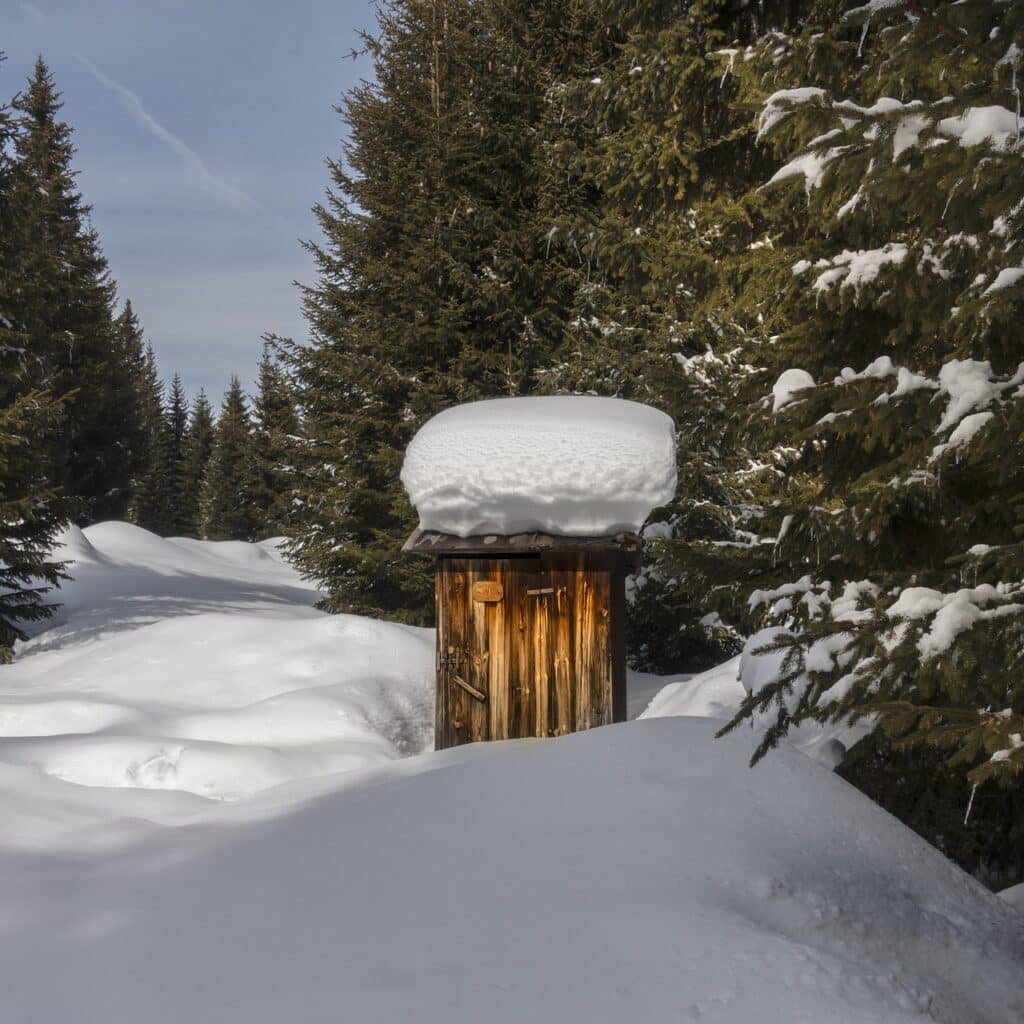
x: 719, y: 691
x: 632, y: 872
x: 637, y: 872
x: 201, y: 669
x: 74, y: 546
x: 716, y: 693
x: 575, y: 466
x: 1014, y: 896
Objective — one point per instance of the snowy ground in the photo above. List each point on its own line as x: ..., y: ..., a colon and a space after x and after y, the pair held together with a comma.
x: 207, y: 819
x: 201, y: 669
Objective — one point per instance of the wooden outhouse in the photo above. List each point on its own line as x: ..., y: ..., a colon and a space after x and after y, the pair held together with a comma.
x: 530, y: 633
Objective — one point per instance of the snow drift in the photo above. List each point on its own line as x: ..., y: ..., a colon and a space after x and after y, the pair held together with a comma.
x: 574, y: 465
x: 202, y: 668
x: 636, y: 872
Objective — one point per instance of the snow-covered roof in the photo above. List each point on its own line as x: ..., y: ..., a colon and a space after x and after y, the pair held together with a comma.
x: 575, y: 466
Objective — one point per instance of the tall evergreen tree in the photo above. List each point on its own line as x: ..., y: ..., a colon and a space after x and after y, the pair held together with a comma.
x: 906, y: 324
x: 229, y: 507
x: 434, y: 284
x: 153, y: 491
x: 67, y: 305
x: 197, y: 448
x: 276, y: 430
x: 177, y: 430
x: 131, y: 377
x: 31, y: 514
x: 872, y: 520
x: 666, y: 219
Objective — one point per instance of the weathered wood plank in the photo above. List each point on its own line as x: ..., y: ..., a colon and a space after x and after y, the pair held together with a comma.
x: 442, y: 710
x: 617, y: 642
x: 563, y: 715
x: 478, y: 654
x: 547, y: 658
x: 583, y: 654
x: 456, y: 647
x: 541, y: 664
x: 601, y: 685
x: 522, y: 700
x: 499, y: 640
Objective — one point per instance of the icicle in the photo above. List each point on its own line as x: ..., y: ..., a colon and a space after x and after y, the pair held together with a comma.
x: 1016, y: 92
x: 725, y: 73
x: 863, y: 36
x: 970, y: 803
x: 949, y: 199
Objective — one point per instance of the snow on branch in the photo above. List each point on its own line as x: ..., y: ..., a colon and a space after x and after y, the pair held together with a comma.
x: 852, y: 268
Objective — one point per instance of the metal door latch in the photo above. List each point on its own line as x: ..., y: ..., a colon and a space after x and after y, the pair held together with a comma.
x: 451, y: 659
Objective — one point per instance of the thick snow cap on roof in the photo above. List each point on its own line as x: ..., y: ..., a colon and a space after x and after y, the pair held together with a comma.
x: 577, y: 466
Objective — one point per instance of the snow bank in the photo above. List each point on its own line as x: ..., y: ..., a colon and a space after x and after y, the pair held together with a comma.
x: 1014, y: 896
x: 718, y: 692
x: 201, y: 668
x: 633, y: 872
x: 576, y: 466
x: 637, y: 872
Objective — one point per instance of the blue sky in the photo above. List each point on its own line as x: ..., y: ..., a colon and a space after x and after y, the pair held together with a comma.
x: 202, y: 129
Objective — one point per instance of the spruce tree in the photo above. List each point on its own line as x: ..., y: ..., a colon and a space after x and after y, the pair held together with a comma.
x: 435, y: 285
x: 898, y: 523
x: 664, y: 216
x: 153, y: 490
x: 177, y: 430
x: 31, y: 513
x: 228, y: 502
x: 131, y: 384
x: 868, y: 519
x: 275, y: 432
x: 198, y: 445
x: 66, y: 306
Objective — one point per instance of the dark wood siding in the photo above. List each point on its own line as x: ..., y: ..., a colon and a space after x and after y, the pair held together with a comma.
x: 544, y: 659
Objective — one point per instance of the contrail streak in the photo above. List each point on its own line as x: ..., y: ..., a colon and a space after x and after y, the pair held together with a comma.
x: 192, y: 161
x: 215, y: 186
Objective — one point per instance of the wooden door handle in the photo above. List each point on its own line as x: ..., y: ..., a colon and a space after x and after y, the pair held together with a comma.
x: 471, y: 690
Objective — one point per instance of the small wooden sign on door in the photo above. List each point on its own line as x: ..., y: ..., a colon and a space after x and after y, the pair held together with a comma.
x: 488, y: 590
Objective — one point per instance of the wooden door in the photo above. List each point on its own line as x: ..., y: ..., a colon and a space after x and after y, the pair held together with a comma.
x: 483, y: 627
x: 524, y: 647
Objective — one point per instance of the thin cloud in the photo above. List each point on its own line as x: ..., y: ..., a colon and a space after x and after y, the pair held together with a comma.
x: 32, y: 12
x: 192, y: 161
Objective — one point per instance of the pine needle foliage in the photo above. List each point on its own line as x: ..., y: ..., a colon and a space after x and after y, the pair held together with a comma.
x: 888, y: 560
x: 433, y: 284
x: 197, y: 448
x: 31, y: 513
x: 275, y: 433
x: 65, y: 306
x: 228, y: 502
